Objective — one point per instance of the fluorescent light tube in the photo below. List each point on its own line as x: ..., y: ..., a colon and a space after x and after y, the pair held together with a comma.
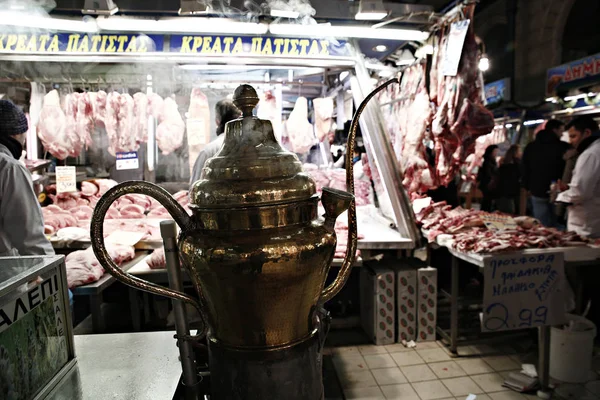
x: 326, y: 30
x: 52, y: 24
x: 181, y: 24
x: 284, y: 14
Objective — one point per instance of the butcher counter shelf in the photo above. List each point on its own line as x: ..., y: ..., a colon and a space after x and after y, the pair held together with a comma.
x: 116, y: 366
x: 94, y: 292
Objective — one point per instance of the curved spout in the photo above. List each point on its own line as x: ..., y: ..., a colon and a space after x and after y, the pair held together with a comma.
x: 340, y: 280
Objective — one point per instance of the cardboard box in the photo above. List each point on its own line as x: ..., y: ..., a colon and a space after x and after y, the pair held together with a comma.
x: 406, y: 302
x: 377, y: 305
x: 427, y: 303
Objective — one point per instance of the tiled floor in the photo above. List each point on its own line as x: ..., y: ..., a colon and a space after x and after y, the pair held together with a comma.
x: 428, y: 372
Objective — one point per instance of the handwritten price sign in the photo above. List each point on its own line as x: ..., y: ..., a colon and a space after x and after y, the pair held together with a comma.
x: 523, y: 291
x: 498, y: 222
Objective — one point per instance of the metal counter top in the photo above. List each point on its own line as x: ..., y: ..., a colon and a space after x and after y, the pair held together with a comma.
x: 127, y: 366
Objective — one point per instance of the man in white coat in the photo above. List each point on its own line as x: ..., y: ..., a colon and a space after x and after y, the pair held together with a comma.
x: 583, y: 195
x: 21, y: 221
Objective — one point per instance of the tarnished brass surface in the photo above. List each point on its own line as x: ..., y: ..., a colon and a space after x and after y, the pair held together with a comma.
x: 264, y: 217
x: 260, y: 288
x: 256, y: 253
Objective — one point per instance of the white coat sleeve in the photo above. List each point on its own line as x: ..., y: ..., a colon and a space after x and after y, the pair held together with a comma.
x: 586, y: 177
x: 21, y: 213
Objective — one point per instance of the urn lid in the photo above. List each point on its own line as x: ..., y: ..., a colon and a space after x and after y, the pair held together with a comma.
x: 251, y: 168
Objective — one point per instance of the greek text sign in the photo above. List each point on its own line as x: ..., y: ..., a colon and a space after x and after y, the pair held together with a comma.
x: 257, y: 46
x: 74, y: 43
x: 523, y: 291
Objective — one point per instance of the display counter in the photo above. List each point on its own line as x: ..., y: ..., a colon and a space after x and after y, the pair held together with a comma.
x: 132, y: 365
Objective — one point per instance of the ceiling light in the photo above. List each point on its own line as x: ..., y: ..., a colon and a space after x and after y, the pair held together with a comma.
x: 484, y: 63
x: 371, y: 10
x: 99, y: 7
x: 181, y: 24
x: 47, y: 23
x: 193, y: 7
x: 533, y: 122
x: 361, y: 32
x: 576, y: 97
x: 550, y: 100
x: 284, y: 14
x: 508, y: 125
x: 380, y: 48
x: 242, y: 67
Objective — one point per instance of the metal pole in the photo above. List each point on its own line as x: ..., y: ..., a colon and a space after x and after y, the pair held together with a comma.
x: 454, y: 307
x: 169, y: 234
x: 544, y: 362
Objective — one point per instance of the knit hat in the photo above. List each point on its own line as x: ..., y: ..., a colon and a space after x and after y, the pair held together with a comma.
x: 12, y: 120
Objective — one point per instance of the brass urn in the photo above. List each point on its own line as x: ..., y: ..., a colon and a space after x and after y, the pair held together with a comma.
x: 255, y: 249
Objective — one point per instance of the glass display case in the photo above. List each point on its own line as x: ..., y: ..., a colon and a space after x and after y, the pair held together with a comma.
x: 36, y: 334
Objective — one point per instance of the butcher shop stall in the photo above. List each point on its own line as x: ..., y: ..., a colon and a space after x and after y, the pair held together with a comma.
x: 110, y: 107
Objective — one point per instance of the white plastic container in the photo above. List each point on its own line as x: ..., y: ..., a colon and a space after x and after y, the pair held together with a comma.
x: 571, y: 350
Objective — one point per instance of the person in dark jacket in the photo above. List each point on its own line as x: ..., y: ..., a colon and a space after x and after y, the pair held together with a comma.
x: 487, y: 176
x: 543, y: 162
x: 509, y: 181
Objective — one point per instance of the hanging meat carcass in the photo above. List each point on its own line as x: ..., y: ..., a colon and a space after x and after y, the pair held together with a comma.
x: 170, y: 132
x: 323, y: 117
x: 299, y: 130
x: 51, y: 127
x: 140, y: 112
x: 198, y: 125
x: 126, y: 134
x: 461, y: 116
x: 267, y: 109
x: 85, y: 118
x: 416, y: 168
x: 111, y: 121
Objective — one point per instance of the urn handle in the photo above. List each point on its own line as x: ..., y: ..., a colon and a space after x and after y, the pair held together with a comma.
x: 339, y: 282
x: 97, y: 236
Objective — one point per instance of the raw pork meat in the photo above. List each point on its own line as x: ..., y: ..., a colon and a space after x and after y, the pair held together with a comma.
x: 170, y: 132
x: 157, y: 259
x: 88, y: 189
x: 104, y: 185
x: 111, y: 121
x: 85, y: 118
x: 297, y: 128
x: 76, y: 138
x: 323, y: 117
x: 461, y: 116
x: 156, y: 104
x: 198, y: 125
x: 82, y: 212
x: 51, y: 127
x: 267, y: 109
x: 83, y: 267
x: 140, y: 111
x: 99, y: 105
x: 126, y: 134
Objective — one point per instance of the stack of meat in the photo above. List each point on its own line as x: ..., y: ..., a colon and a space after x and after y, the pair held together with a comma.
x: 469, y: 234
x: 83, y: 266
x: 336, y: 179
x: 75, y: 209
x: 66, y: 125
x: 341, y: 232
x: 457, y: 119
